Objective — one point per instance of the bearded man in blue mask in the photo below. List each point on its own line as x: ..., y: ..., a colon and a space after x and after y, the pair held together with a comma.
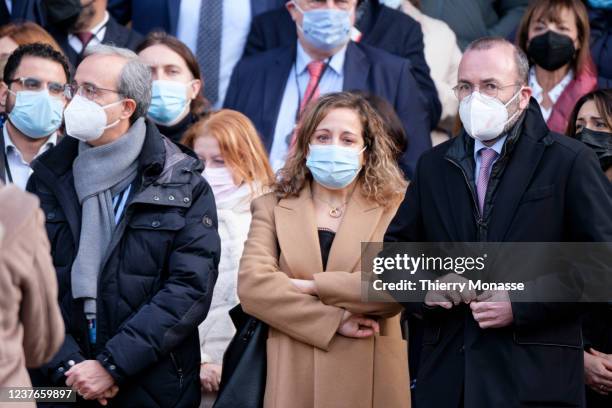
x: 272, y: 88
x: 35, y: 95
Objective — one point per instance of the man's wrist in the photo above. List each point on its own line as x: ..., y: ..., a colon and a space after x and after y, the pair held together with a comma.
x: 106, y: 360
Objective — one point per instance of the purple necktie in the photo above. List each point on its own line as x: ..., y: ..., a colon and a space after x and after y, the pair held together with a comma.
x: 487, y: 157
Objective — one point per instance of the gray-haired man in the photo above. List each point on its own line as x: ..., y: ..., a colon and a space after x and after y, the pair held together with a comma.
x: 132, y: 226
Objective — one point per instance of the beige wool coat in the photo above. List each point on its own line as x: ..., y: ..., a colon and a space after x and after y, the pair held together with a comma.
x: 31, y: 326
x: 309, y: 364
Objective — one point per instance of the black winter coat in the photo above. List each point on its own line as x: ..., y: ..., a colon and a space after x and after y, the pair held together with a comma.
x: 156, y: 283
x: 548, y: 188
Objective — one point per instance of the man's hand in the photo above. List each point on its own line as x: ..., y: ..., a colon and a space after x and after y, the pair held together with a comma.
x: 598, y: 371
x: 210, y: 377
x: 357, y: 326
x: 452, y: 297
x: 108, y: 394
x: 90, y: 380
x: 305, y: 286
x: 492, y: 309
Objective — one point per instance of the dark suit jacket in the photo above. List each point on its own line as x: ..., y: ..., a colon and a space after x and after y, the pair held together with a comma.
x: 23, y: 10
x: 258, y: 82
x: 551, y: 189
x: 148, y: 15
x: 116, y: 35
x: 381, y: 27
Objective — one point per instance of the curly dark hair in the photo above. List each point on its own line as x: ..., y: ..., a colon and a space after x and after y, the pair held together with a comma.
x: 39, y: 50
x: 381, y: 179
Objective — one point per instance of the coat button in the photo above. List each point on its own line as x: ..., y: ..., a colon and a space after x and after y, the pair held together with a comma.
x: 70, y: 363
x: 461, y: 349
x: 112, y: 367
x: 156, y: 198
x: 171, y: 198
x: 207, y: 221
x: 186, y: 200
x: 155, y: 224
x: 51, y: 215
x: 61, y: 369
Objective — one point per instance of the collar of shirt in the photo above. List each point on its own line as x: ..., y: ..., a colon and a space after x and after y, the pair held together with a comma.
x: 99, y: 31
x: 497, y: 146
x: 9, y: 146
x: 303, y: 59
x: 553, y: 94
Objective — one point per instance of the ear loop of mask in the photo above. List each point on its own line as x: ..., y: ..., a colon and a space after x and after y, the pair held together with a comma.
x: 108, y: 106
x: 518, y: 111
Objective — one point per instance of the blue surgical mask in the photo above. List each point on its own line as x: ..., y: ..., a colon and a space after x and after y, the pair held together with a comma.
x: 333, y: 166
x: 168, y: 101
x: 325, y: 29
x: 36, y: 113
x: 601, y: 4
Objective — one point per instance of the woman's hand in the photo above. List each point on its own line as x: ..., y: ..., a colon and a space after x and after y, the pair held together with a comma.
x: 598, y: 371
x: 357, y: 326
x: 210, y: 377
x: 308, y: 287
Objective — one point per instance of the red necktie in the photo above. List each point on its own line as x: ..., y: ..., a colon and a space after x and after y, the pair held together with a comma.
x: 85, y: 37
x: 315, y: 69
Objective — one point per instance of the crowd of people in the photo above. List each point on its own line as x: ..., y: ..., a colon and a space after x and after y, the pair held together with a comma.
x: 201, y: 169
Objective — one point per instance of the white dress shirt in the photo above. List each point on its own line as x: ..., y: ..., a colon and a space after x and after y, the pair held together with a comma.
x: 19, y: 169
x: 236, y: 25
x: 99, y: 31
x: 331, y: 81
x: 554, y: 94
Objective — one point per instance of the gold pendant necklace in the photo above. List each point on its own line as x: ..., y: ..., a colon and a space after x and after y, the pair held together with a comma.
x: 334, y: 211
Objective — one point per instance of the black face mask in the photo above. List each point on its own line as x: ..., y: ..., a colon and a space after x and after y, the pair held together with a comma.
x: 62, y: 12
x: 601, y: 143
x: 551, y: 50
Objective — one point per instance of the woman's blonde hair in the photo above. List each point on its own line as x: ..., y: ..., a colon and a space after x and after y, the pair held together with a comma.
x: 239, y: 143
x: 381, y: 179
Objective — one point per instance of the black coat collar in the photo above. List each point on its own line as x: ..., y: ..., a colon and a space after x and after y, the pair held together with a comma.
x: 522, y: 153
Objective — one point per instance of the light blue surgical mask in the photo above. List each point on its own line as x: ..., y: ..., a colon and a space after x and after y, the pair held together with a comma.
x: 168, y: 101
x: 333, y: 166
x: 36, y: 113
x: 601, y: 4
x: 325, y: 29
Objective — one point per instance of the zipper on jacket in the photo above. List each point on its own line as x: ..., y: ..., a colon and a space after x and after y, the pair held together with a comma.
x: 179, y: 370
x: 479, y: 219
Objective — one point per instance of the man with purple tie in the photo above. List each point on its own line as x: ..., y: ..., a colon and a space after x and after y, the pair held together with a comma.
x: 505, y: 178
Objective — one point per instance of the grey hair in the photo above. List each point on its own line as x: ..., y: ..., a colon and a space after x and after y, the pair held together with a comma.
x: 520, y: 59
x: 135, y: 79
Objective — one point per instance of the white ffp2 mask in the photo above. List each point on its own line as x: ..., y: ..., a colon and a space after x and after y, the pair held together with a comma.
x: 86, y: 120
x: 484, y: 117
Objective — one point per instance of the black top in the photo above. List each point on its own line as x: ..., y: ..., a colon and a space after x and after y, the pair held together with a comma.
x: 326, y: 238
x: 175, y: 132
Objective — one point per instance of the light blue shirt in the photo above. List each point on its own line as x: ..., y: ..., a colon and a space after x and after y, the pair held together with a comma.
x: 119, y: 203
x: 331, y: 81
x: 478, y: 146
x: 235, y: 29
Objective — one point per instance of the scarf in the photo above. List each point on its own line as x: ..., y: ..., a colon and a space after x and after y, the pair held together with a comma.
x: 100, y: 173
